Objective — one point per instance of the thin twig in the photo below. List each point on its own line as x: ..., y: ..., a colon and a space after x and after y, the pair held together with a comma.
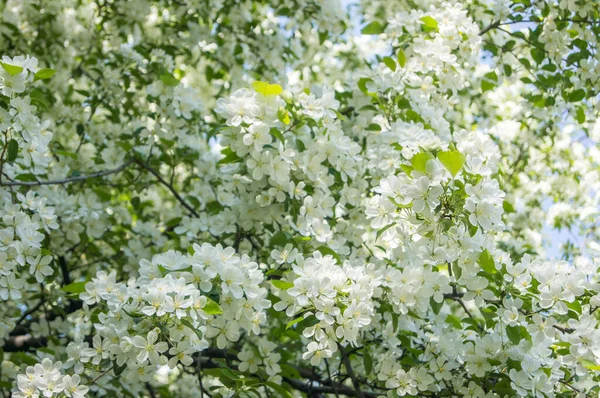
x: 350, y: 371
x: 491, y: 26
x: 169, y: 186
x: 69, y: 180
x: 100, y: 375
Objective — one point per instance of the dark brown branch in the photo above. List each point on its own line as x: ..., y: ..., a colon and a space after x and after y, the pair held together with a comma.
x: 350, y: 371
x: 150, y: 390
x: 491, y: 26
x: 496, y: 24
x: 29, y: 312
x: 302, y: 386
x: 169, y: 186
x: 64, y: 269
x: 68, y: 180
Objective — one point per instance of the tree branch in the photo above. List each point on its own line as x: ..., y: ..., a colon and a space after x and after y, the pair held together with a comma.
x: 68, y: 180
x: 491, y: 26
x: 169, y: 186
x: 350, y: 371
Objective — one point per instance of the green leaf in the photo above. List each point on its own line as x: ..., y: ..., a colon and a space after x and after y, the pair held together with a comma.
x: 277, y: 134
x: 406, y: 168
x: 490, y: 80
x: 135, y: 202
x: 230, y: 157
x: 295, y: 321
x: 401, y: 57
x: 367, y: 362
x: 362, y: 84
x: 514, y: 334
x: 374, y: 28
x: 43, y: 74
x: 575, y: 306
x: 454, y: 321
x: 400, y: 205
x: 326, y: 251
x: 457, y: 270
x: 390, y: 63
x: 211, y: 307
x: 214, y: 207
x: 430, y: 23
x: 20, y: 358
x: 12, y: 69
x: 577, y: 95
x: 187, y: 323
x: 486, y: 262
x: 323, y: 36
x: 119, y: 369
x: 283, y: 115
x: 169, y: 80
x: 452, y: 160
x: 435, y: 306
x: 590, y: 365
x: 278, y: 389
x: 47, y: 350
x: 382, y: 230
x: 289, y: 371
x: 281, y: 284
x: 173, y: 222
x: 12, y: 151
x: 75, y: 287
x: 279, y: 239
x: 538, y: 55
x: 508, y: 207
x: 419, y: 161
x: 266, y: 88
x: 373, y: 127
x: 580, y: 115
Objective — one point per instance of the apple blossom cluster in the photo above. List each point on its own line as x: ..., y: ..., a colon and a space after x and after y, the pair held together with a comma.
x: 275, y: 150
x: 166, y: 314
x: 26, y: 218
x: 336, y: 301
x: 47, y: 380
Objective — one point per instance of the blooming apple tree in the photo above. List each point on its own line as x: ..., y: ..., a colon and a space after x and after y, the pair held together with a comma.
x: 299, y: 198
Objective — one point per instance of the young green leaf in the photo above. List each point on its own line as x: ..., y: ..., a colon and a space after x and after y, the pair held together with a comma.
x: 374, y: 28
x: 486, y: 262
x: 43, y: 74
x: 326, y: 250
x: 169, y: 80
x: 430, y: 23
x: 12, y: 69
x: 75, y: 287
x: 419, y: 161
x: 281, y: 284
x: 401, y: 58
x: 266, y: 89
x: 452, y: 161
x: 514, y: 334
x: 212, y: 308
x: 390, y: 63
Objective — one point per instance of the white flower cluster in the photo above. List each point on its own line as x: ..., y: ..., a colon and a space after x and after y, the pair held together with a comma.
x: 334, y: 301
x: 19, y: 122
x: 283, y: 154
x: 46, y: 379
x: 25, y: 218
x: 166, y: 314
